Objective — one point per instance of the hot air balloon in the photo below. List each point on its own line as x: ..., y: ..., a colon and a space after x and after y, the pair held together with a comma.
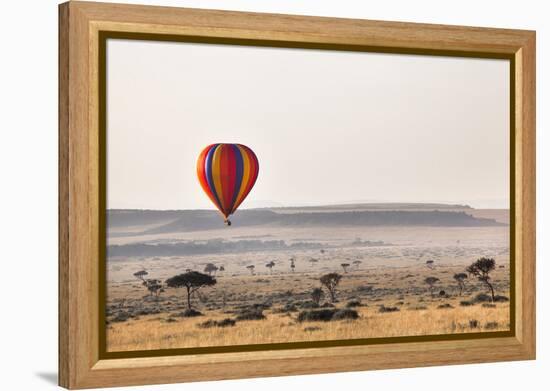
x: 227, y: 173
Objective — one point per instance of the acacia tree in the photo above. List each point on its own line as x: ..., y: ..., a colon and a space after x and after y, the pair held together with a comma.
x: 141, y: 274
x: 192, y: 282
x: 292, y: 264
x: 313, y: 260
x: 430, y: 264
x: 357, y: 263
x: 209, y: 268
x: 460, y: 279
x: 251, y: 269
x: 154, y: 286
x: 331, y: 281
x: 317, y: 295
x: 345, y: 267
x: 481, y: 269
x: 270, y: 265
x: 431, y: 281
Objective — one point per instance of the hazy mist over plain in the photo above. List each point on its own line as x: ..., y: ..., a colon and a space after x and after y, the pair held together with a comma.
x: 327, y: 127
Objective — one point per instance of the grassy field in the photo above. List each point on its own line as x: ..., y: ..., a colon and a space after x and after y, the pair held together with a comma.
x: 158, y: 323
x: 155, y: 332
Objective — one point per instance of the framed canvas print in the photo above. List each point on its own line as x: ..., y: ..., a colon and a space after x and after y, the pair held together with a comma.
x: 248, y: 195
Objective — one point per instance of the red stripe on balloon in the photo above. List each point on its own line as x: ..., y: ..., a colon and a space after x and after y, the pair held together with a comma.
x: 227, y: 176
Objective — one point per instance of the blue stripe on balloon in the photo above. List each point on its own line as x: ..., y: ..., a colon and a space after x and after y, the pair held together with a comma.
x: 208, y: 170
x: 239, y: 166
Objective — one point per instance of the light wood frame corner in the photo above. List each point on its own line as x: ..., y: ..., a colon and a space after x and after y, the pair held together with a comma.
x: 80, y: 27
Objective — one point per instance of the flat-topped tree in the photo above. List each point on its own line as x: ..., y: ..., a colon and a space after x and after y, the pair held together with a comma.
x: 357, y: 263
x: 481, y: 269
x: 430, y: 264
x: 431, y: 281
x: 141, y: 274
x: 292, y: 264
x: 313, y: 260
x: 331, y: 281
x: 345, y: 267
x: 251, y: 269
x: 192, y: 282
x: 460, y: 279
x: 210, y: 268
x: 270, y: 265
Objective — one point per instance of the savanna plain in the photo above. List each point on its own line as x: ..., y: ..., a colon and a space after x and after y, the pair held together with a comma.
x: 179, y: 279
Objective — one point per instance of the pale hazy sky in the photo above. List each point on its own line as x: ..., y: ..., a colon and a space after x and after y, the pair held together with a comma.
x: 327, y: 127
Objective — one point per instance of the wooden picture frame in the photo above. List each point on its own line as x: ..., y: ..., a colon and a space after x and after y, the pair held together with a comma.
x: 82, y: 29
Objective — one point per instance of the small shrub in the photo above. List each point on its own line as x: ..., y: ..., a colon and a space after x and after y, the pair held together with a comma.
x: 190, y: 313
x: 227, y: 322
x: 170, y: 320
x: 482, y: 298
x: 251, y: 314
x: 288, y: 307
x: 323, y: 315
x: 489, y: 305
x: 491, y: 325
x: 353, y: 303
x: 443, y: 306
x: 465, y: 303
x: 383, y: 309
x: 345, y: 313
x: 327, y: 305
x: 364, y: 289
x: 501, y: 299
x: 418, y: 308
x: 442, y: 293
x: 474, y: 323
x: 308, y: 305
x: 121, y: 317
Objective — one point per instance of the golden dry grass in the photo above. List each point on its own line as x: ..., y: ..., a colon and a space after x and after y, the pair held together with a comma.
x: 153, y: 332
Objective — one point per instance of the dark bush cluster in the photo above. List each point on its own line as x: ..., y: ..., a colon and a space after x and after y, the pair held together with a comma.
x: 309, y: 305
x: 326, y: 315
x: 345, y: 313
x: 251, y: 314
x: 190, y: 313
x: 323, y: 315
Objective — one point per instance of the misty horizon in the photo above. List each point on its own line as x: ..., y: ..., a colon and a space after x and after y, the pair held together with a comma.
x: 277, y: 205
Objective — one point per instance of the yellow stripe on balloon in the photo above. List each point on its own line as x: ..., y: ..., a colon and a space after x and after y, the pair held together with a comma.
x: 216, y: 174
x: 246, y: 175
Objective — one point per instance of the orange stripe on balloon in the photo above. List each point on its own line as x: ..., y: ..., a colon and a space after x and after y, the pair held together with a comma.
x: 253, y: 169
x: 246, y: 175
x: 201, y: 174
x: 216, y: 177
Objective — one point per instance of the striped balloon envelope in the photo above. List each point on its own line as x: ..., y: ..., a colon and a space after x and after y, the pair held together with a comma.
x: 227, y: 173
